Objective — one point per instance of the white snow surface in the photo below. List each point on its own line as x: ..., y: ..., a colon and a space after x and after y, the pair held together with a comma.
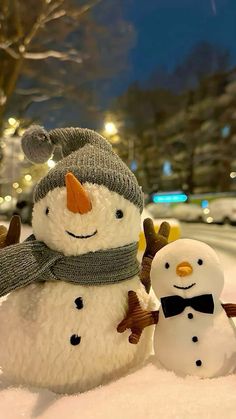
x: 148, y: 392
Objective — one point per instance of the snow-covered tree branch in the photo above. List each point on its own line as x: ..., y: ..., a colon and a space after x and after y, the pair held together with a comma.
x: 55, y: 45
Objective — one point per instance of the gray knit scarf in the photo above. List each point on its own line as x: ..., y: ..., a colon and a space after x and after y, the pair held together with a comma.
x: 24, y: 263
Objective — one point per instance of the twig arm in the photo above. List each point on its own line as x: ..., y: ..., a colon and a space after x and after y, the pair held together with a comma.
x: 230, y: 309
x: 137, y: 319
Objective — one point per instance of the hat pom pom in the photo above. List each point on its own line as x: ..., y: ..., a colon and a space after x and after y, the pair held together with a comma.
x: 36, y: 144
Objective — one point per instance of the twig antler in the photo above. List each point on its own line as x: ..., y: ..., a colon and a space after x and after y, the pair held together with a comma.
x: 154, y: 243
x: 12, y: 235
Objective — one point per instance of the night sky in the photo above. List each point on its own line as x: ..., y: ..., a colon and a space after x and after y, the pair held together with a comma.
x: 167, y: 29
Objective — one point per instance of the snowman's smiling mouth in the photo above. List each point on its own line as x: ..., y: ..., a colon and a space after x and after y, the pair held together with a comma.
x: 185, y: 288
x: 82, y: 236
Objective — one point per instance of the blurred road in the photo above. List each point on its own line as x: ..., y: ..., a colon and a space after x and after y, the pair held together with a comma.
x: 223, y: 240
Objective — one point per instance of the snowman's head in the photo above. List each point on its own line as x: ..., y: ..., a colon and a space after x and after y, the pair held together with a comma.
x: 187, y: 268
x: 90, y: 200
x: 77, y: 219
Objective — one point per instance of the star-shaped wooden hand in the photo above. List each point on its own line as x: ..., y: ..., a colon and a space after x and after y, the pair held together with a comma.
x: 137, y: 318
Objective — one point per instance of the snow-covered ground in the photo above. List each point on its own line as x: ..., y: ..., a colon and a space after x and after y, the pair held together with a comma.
x: 148, y: 392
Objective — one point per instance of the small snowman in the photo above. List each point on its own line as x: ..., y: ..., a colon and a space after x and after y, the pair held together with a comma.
x: 69, y: 282
x: 193, y: 335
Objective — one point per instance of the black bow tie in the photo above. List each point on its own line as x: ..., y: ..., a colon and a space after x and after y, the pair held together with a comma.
x: 175, y: 304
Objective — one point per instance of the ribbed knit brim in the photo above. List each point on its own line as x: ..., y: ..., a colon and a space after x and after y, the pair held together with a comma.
x: 86, y: 154
x: 94, y: 165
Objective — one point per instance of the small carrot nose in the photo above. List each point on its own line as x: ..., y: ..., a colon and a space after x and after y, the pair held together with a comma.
x: 184, y: 269
x: 77, y: 198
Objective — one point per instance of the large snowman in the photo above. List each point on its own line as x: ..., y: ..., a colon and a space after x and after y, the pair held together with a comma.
x: 194, y: 334
x: 69, y: 282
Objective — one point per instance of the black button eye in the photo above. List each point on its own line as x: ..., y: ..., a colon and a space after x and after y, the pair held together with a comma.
x: 47, y: 211
x: 200, y: 261
x: 167, y: 265
x: 119, y: 214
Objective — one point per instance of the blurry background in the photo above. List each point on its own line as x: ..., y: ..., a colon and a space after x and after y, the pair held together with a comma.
x: 157, y: 78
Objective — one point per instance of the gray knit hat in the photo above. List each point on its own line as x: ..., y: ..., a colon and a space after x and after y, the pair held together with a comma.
x: 86, y: 154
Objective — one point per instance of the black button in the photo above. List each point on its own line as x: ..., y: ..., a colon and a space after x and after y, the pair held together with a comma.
x: 119, y: 214
x: 190, y: 315
x: 79, y: 303
x: 75, y: 340
x: 198, y: 363
x: 195, y: 339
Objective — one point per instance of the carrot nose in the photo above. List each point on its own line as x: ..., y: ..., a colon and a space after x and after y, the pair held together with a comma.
x: 184, y: 269
x: 77, y: 198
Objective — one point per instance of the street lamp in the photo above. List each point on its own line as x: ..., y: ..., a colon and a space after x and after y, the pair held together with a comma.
x: 12, y: 121
x: 110, y: 128
x: 51, y: 163
x: 13, y: 124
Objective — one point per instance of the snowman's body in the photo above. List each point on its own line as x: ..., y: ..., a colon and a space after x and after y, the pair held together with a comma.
x: 200, y: 344
x: 63, y: 336
x: 192, y: 342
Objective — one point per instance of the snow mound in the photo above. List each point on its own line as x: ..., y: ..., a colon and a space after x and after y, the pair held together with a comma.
x: 148, y: 393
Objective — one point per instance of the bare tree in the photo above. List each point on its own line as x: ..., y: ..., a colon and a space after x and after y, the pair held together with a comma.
x: 57, y: 49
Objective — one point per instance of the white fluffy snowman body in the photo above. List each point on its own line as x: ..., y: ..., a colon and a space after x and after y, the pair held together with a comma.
x: 192, y: 342
x: 63, y: 336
